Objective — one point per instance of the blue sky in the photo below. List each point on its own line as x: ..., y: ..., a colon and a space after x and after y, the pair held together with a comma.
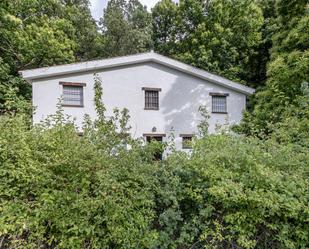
x: 98, y: 5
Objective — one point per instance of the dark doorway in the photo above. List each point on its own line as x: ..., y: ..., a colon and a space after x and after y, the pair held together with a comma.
x: 151, y: 138
x: 159, y: 153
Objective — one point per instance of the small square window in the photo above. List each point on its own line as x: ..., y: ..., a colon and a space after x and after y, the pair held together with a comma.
x: 219, y: 104
x: 187, y: 142
x: 158, y: 154
x: 151, y: 100
x: 73, y: 95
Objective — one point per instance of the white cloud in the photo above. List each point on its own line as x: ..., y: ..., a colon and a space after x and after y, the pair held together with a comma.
x: 97, y: 6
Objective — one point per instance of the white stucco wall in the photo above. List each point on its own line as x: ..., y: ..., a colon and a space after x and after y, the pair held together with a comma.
x: 180, y: 98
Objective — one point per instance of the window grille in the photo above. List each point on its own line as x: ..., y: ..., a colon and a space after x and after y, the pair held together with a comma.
x: 219, y: 104
x: 73, y: 95
x: 151, y: 100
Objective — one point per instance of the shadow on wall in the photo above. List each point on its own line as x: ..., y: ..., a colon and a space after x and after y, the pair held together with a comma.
x: 181, y: 103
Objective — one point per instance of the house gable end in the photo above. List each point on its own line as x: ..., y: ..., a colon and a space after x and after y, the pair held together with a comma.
x: 36, y: 74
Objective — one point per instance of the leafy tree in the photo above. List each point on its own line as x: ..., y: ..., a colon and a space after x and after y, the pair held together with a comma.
x: 36, y: 33
x: 30, y: 38
x: 287, y: 70
x: 86, y: 35
x: 33, y: 39
x: 126, y: 28
x: 257, y: 67
x: 14, y: 91
x: 165, y: 27
x: 219, y: 36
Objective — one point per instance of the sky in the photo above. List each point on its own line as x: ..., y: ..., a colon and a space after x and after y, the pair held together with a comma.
x: 98, y: 5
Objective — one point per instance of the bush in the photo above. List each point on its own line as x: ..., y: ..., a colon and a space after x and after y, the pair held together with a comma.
x: 244, y: 193
x: 60, y: 190
x: 65, y: 191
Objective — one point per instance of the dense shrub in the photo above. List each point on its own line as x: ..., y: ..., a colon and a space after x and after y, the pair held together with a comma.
x: 60, y: 190
x: 65, y: 191
x: 104, y: 190
x: 244, y: 193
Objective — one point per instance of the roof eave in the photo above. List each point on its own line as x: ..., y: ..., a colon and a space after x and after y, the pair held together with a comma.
x: 31, y: 75
x: 28, y: 75
x: 228, y: 84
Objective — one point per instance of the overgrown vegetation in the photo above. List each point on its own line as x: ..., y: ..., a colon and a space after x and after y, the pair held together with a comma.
x: 62, y: 190
x: 103, y: 189
x: 263, y: 44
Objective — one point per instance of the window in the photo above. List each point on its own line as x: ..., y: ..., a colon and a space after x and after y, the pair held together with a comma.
x: 219, y: 102
x: 154, y: 138
x: 186, y: 141
x: 73, y: 94
x: 80, y: 133
x: 158, y: 153
x: 151, y: 98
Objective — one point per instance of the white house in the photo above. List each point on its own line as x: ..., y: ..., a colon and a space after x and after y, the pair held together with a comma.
x: 163, y: 95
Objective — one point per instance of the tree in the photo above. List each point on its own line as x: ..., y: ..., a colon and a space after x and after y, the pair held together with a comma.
x: 32, y: 39
x: 37, y: 33
x: 257, y: 67
x: 14, y: 91
x: 218, y: 36
x: 29, y: 38
x: 287, y: 71
x: 86, y: 35
x: 126, y: 28
x: 165, y: 27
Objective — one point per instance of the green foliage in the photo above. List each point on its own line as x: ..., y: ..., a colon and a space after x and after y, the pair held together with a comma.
x: 86, y: 35
x: 253, y: 195
x: 103, y: 189
x: 203, y: 125
x: 287, y: 71
x: 126, y: 28
x: 35, y: 40
x: 11, y: 90
x: 256, y: 73
x: 98, y: 94
x: 164, y: 21
x: 60, y: 190
x: 218, y: 36
x: 37, y: 33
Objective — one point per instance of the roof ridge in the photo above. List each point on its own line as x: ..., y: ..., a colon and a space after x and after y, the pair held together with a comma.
x: 201, y: 70
x: 84, y: 62
x: 44, y: 72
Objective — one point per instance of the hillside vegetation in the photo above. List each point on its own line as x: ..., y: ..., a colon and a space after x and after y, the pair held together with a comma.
x: 62, y: 190
x: 245, y: 188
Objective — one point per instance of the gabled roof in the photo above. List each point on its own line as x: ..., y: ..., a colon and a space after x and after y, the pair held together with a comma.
x: 35, y: 74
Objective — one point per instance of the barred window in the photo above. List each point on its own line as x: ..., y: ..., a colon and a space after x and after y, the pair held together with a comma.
x: 72, y: 94
x: 151, y: 98
x: 219, y: 104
